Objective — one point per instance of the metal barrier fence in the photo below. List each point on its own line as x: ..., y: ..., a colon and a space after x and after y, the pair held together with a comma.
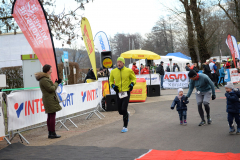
x: 61, y: 120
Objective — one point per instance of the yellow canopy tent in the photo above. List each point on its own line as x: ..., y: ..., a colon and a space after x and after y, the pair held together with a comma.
x: 140, y: 54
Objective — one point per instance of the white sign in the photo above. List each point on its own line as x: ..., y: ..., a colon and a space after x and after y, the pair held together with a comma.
x: 101, y: 42
x: 175, y: 80
x: 154, y: 78
x: 234, y: 75
x: 3, y: 80
x: 26, y: 107
x: 2, y: 126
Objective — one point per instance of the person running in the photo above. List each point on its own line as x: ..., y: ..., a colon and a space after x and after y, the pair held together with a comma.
x: 181, y: 106
x: 233, y: 106
x: 122, y: 80
x: 203, y: 85
x: 206, y: 69
x: 213, y: 68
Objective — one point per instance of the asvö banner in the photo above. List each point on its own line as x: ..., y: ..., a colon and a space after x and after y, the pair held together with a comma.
x: 175, y: 80
x: 26, y: 107
x: 101, y: 42
x: 31, y: 18
x: 2, y: 126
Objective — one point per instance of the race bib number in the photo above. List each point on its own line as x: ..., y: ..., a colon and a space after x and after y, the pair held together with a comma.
x: 122, y: 95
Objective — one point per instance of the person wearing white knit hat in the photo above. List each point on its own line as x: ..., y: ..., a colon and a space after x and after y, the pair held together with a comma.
x: 181, y: 106
x: 233, y: 106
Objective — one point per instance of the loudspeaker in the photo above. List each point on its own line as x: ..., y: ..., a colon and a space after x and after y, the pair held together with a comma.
x: 111, y: 103
x: 105, y: 55
x: 149, y: 62
x: 153, y: 90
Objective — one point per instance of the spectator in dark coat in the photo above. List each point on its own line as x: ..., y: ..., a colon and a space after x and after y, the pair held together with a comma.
x: 90, y: 75
x: 233, y: 106
x: 188, y: 67
x: 175, y: 65
x: 168, y: 68
x: 207, y: 70
x: 195, y: 67
x: 160, y: 71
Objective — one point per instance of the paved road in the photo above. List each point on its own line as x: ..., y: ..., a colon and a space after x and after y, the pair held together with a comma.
x: 156, y: 126
x: 153, y: 126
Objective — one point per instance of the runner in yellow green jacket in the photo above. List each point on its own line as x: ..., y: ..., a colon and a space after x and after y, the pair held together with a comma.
x: 122, y: 80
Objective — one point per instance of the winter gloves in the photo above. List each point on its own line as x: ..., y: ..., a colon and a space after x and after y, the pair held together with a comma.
x: 131, y: 86
x: 213, y: 97
x: 115, y: 88
x: 186, y: 99
x: 172, y: 108
x: 59, y: 81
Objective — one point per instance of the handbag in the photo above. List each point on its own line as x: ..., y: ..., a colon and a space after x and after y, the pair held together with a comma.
x: 61, y: 93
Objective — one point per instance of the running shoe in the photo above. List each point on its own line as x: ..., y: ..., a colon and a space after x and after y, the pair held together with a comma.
x: 181, y: 122
x: 185, y: 122
x: 202, y: 123
x: 231, y: 130
x: 209, y: 120
x: 124, y: 130
x: 238, y: 131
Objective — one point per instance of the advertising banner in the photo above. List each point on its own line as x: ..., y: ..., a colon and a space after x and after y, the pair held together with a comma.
x: 154, y: 78
x: 176, y: 80
x: 88, y: 40
x: 139, y: 92
x: 26, y: 107
x: 229, y: 42
x: 101, y: 42
x: 234, y: 75
x: 227, y: 76
x: 30, y: 17
x: 2, y: 126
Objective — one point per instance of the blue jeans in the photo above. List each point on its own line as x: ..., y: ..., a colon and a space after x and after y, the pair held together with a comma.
x: 232, y: 116
x: 182, y: 114
x: 162, y: 77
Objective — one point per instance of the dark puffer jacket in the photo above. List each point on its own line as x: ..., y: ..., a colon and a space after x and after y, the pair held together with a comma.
x: 233, y: 103
x: 180, y: 104
x: 48, y: 88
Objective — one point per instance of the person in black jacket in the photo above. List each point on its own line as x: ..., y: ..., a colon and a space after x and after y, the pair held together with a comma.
x: 160, y: 70
x: 181, y: 106
x: 207, y: 70
x: 195, y: 68
x: 90, y: 75
x: 187, y: 67
x: 175, y: 65
x: 233, y: 106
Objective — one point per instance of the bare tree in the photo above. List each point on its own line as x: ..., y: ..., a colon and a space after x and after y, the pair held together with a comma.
x: 232, y: 11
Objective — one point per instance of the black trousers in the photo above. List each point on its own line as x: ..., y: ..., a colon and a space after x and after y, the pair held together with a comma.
x: 222, y: 78
x: 122, y: 108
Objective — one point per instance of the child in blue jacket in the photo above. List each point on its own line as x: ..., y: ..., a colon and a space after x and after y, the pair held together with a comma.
x: 233, y: 106
x: 222, y: 74
x: 181, y: 106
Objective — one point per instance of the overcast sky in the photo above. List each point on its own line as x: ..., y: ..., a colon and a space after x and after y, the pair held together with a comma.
x: 119, y: 16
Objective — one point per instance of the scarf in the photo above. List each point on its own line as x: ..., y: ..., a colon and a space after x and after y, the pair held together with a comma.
x: 197, y: 77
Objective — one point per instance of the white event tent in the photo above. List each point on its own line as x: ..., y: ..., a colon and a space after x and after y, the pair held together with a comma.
x: 180, y: 61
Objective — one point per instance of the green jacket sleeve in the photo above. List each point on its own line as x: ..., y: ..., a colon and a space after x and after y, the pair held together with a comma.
x: 133, y: 77
x: 49, y: 86
x: 111, y: 79
x: 191, y: 87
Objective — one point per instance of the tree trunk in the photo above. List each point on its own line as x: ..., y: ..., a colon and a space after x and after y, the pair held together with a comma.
x: 190, y: 40
x: 202, y: 47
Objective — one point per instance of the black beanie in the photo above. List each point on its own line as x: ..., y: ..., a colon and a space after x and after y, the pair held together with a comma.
x: 46, y: 68
x: 192, y: 74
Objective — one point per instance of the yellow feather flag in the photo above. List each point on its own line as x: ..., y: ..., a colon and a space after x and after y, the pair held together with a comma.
x: 88, y: 40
